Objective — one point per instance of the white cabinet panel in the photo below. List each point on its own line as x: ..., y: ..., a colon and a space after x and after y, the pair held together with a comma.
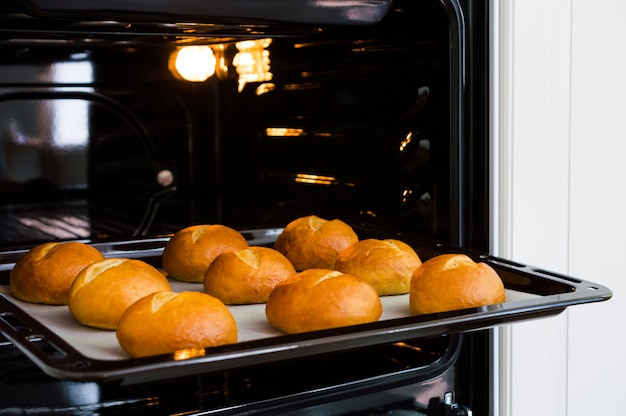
x: 597, y: 333
x: 562, y: 161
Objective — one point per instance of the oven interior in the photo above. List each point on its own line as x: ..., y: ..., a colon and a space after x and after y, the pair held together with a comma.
x: 102, y: 137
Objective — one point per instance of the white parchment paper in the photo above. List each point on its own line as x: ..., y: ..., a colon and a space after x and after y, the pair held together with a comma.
x: 251, y: 322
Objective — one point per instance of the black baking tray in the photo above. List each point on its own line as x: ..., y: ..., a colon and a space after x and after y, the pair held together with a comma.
x: 544, y: 294
x: 289, y: 11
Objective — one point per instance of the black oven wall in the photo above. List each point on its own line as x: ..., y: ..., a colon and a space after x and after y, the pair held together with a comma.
x: 341, y: 121
x: 350, y: 123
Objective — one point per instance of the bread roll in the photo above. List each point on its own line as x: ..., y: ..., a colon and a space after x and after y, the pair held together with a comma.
x: 190, y: 251
x: 165, y: 322
x: 319, y: 299
x: 314, y: 243
x: 388, y: 265
x: 454, y: 281
x: 246, y: 276
x: 45, y: 273
x: 103, y: 290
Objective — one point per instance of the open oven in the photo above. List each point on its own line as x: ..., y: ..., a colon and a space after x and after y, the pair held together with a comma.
x: 371, y: 111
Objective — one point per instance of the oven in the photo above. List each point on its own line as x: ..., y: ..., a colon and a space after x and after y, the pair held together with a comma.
x: 371, y: 111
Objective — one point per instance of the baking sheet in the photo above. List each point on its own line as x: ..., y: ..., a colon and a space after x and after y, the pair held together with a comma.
x: 65, y: 349
x: 252, y: 325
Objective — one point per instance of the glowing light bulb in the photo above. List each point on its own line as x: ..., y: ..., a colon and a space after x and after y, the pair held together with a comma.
x: 195, y: 63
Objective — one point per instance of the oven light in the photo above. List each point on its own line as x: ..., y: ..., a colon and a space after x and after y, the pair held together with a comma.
x: 193, y: 63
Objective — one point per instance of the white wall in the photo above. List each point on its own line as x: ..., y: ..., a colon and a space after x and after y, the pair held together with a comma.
x: 597, y: 333
x: 562, y: 109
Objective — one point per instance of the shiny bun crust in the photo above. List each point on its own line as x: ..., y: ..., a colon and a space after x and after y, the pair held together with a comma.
x: 102, y: 291
x: 165, y: 322
x: 388, y: 265
x: 313, y: 242
x: 246, y: 276
x: 454, y: 281
x: 190, y: 251
x: 45, y: 273
x: 319, y: 299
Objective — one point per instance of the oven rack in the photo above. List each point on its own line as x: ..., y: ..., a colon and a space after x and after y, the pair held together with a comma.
x: 25, y: 225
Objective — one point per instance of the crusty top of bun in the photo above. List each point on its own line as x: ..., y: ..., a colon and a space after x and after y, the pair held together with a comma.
x: 103, y: 290
x: 246, y: 276
x: 454, y: 281
x: 165, y: 322
x: 190, y: 251
x: 44, y: 274
x: 313, y: 242
x: 388, y: 265
x: 319, y: 299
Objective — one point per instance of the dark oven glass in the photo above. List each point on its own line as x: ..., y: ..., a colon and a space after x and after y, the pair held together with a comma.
x: 101, y: 137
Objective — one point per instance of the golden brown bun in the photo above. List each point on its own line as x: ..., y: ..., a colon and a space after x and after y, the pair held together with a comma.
x: 388, y: 265
x: 246, y: 276
x: 165, y: 322
x: 190, y: 251
x: 45, y: 273
x: 454, y: 281
x: 102, y: 291
x: 314, y: 243
x: 319, y: 299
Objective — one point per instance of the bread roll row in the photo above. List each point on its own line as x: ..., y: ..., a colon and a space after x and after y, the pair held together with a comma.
x: 318, y: 275
x: 128, y: 296
x: 443, y: 283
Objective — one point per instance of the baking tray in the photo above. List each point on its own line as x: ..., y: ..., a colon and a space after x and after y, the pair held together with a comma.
x: 290, y: 11
x: 64, y: 349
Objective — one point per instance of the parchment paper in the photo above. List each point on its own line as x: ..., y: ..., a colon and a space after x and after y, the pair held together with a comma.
x: 251, y: 322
